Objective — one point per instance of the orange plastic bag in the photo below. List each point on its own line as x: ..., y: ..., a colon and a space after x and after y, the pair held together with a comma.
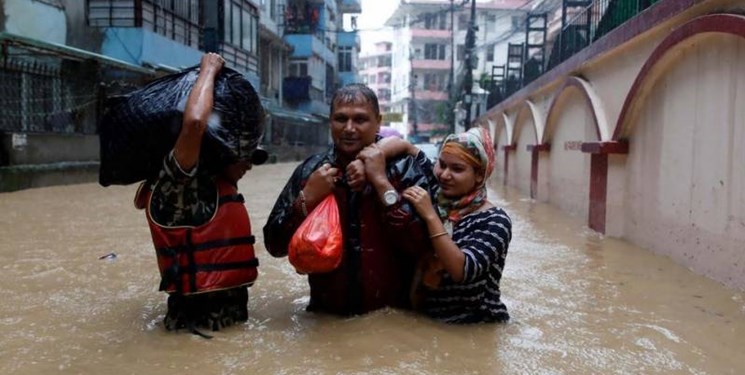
x: 317, y: 245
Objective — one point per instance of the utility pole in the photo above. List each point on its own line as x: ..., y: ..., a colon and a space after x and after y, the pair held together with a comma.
x: 468, y: 79
x: 451, y: 79
x: 412, y: 91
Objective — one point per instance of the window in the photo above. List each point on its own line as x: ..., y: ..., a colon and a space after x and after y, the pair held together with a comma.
x: 491, y: 23
x: 298, y: 69
x: 434, y: 82
x: 435, y: 21
x: 490, y: 53
x: 345, y: 59
x: 240, y: 25
x: 384, y: 94
x: 176, y: 20
x: 430, y: 82
x: 430, y: 51
x: 383, y: 61
x: 428, y: 22
x: 235, y: 25
x: 248, y: 41
x: 461, y: 52
x: 434, y: 52
x: 515, y: 22
x: 462, y: 22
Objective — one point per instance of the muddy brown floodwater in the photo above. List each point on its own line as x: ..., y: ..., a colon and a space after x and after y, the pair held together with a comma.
x: 580, y: 303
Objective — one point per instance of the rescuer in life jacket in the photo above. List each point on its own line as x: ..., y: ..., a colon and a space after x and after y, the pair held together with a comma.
x: 199, y: 223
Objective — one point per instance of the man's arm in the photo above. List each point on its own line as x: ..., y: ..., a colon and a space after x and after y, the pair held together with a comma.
x: 197, y: 112
x: 285, y: 218
x: 315, y: 180
x: 374, y: 161
x: 393, y: 147
x: 401, y: 219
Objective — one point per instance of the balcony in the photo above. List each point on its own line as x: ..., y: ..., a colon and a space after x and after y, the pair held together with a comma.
x: 177, y: 21
x: 305, y: 45
x: 430, y: 64
x: 239, y: 58
x: 148, y: 34
x: 430, y: 34
x: 431, y: 95
x: 350, y: 6
x: 297, y: 89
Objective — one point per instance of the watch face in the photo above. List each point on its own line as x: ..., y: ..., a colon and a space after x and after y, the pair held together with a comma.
x: 390, y: 197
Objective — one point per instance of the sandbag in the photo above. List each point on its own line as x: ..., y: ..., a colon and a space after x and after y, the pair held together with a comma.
x: 138, y: 130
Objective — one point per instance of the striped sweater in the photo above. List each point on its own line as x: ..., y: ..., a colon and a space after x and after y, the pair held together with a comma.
x: 484, y: 238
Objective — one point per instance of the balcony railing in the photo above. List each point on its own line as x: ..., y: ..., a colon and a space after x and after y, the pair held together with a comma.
x: 582, y: 25
x: 300, y: 89
x: 304, y: 21
x: 297, y: 89
x: 430, y: 64
x: 238, y: 58
x: 440, y: 95
x: 590, y: 24
x: 431, y: 34
x: 176, y: 20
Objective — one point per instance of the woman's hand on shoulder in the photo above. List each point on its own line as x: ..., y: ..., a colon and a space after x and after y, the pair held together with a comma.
x: 422, y: 202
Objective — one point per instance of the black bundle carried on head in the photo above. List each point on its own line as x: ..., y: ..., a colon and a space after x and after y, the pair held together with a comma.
x: 138, y: 130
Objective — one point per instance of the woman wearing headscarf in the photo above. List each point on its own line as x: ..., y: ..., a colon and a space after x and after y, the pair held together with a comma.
x: 469, y: 234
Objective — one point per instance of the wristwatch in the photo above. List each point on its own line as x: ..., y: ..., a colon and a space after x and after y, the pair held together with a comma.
x: 390, y: 197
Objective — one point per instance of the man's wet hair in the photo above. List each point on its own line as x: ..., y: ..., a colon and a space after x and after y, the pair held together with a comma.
x: 355, y: 93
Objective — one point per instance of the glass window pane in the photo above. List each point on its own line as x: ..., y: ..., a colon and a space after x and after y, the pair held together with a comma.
x: 254, y: 33
x: 236, y: 40
x: 226, y: 23
x: 247, y: 29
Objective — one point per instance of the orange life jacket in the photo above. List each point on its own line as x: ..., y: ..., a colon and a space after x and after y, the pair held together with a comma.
x: 216, y: 255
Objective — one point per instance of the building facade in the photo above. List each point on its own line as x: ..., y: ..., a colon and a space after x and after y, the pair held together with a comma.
x: 52, y: 83
x: 348, y: 51
x: 429, y: 57
x: 62, y: 58
x: 315, y: 29
x: 376, y: 71
x: 173, y: 35
x: 273, y: 50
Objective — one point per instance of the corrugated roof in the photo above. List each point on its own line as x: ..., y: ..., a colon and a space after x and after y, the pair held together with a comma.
x: 72, y: 53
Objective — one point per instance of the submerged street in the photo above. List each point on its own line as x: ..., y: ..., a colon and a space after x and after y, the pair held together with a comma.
x: 80, y: 297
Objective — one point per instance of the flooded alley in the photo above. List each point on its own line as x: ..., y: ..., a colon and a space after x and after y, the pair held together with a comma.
x: 79, y: 291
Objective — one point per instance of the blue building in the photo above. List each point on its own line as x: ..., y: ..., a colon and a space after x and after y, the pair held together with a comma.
x: 171, y: 35
x: 315, y: 29
x: 52, y: 82
x: 348, y: 57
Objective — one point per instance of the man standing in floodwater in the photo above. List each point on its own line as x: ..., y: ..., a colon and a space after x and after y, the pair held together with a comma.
x: 383, y: 237
x: 198, y: 221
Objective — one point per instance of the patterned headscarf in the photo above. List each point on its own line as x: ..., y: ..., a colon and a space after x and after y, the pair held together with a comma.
x: 475, y: 147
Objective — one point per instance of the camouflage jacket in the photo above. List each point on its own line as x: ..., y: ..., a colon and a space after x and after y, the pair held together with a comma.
x: 180, y: 198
